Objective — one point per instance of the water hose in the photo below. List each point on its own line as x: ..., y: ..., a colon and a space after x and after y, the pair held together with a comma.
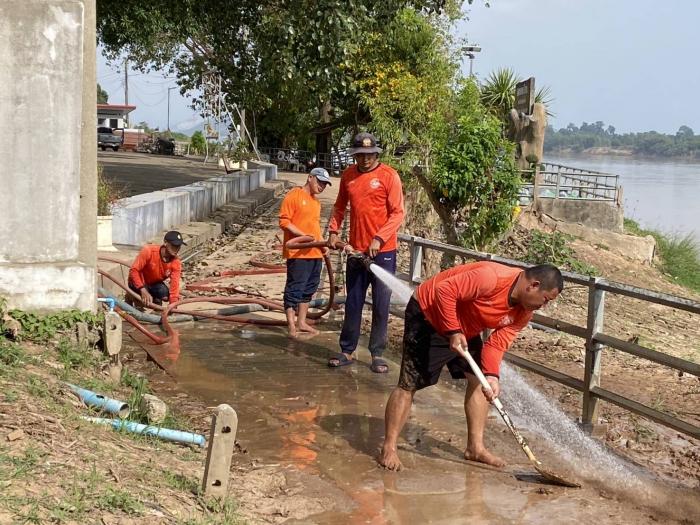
x: 241, y: 304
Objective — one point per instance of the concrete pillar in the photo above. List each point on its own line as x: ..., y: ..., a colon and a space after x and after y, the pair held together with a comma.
x: 48, y: 217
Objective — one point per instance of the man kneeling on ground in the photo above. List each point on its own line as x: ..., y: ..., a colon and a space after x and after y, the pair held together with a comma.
x: 449, y: 312
x: 153, y: 265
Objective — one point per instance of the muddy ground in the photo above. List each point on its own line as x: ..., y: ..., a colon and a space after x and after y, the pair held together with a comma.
x: 58, y: 468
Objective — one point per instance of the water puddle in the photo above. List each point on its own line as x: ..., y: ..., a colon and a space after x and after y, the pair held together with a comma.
x: 326, y: 425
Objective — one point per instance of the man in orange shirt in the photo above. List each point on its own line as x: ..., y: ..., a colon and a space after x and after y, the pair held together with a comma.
x: 375, y: 195
x: 153, y: 265
x: 448, y: 312
x: 300, y: 214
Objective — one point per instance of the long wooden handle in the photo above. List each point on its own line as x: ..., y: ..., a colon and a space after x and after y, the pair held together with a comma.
x: 499, y: 406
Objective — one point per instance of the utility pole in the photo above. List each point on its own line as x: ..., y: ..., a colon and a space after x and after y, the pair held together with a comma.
x: 169, y: 89
x: 126, y: 89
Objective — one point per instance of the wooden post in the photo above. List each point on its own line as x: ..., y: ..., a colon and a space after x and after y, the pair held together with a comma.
x: 591, y: 378
x: 113, y: 344
x: 416, y: 264
x: 222, y: 439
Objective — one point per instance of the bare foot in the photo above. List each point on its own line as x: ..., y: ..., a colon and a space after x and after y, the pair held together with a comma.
x: 308, y: 329
x: 292, y: 331
x: 389, y: 459
x: 484, y: 456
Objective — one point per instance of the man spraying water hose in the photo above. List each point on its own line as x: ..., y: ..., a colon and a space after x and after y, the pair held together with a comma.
x: 375, y: 195
x: 448, y: 313
x: 300, y: 215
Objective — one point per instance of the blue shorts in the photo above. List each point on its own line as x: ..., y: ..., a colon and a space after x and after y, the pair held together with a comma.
x: 303, y: 276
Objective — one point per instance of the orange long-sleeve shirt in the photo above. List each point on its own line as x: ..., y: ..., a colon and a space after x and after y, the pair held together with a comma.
x: 303, y: 210
x: 470, y: 298
x: 376, y: 206
x: 148, y: 268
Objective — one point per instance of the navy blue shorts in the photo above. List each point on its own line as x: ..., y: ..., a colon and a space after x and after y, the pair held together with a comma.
x: 303, y: 276
x: 159, y: 291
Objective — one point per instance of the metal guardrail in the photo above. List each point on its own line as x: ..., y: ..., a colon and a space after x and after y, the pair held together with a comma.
x: 300, y: 160
x: 593, y: 334
x: 556, y: 181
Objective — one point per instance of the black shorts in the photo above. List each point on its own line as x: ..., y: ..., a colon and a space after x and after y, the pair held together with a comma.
x: 425, y: 352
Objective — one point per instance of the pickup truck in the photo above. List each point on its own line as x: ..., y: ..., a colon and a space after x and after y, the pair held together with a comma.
x: 107, y: 139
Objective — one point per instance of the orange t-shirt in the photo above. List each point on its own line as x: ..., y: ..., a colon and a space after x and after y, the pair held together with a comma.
x: 376, y: 206
x: 470, y: 298
x: 148, y: 268
x: 303, y: 211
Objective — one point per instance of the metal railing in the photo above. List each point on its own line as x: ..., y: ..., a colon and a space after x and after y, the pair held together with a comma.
x: 592, y: 333
x: 302, y: 160
x: 556, y: 181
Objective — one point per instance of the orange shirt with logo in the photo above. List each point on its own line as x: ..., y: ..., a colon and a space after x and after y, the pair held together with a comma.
x: 303, y: 210
x: 376, y: 206
x: 470, y: 298
x: 149, y: 268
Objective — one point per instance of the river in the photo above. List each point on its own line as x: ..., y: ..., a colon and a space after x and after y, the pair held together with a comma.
x: 661, y: 195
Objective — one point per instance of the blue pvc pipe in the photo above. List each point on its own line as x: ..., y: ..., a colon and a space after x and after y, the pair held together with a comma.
x: 109, y: 405
x: 109, y: 301
x: 142, y: 316
x: 176, y: 436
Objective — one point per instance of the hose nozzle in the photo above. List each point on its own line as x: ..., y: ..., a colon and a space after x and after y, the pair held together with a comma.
x: 363, y: 258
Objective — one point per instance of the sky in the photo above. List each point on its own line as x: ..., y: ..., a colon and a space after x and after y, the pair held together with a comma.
x: 629, y: 63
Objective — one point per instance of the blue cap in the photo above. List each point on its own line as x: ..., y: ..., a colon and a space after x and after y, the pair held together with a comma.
x: 321, y: 175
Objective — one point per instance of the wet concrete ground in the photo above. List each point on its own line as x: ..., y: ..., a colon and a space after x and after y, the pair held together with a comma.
x: 327, y: 424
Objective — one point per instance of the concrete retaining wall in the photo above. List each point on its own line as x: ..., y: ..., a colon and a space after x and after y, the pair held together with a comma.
x: 602, y: 215
x: 140, y: 218
x: 269, y: 169
x: 200, y: 200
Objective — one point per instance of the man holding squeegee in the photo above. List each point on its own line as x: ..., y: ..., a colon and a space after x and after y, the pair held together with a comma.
x: 447, y: 314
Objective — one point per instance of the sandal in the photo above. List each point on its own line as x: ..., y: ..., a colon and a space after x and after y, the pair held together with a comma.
x: 379, y: 366
x: 340, y: 359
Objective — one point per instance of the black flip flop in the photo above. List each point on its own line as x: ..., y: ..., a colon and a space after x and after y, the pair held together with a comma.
x: 342, y: 358
x: 379, y: 366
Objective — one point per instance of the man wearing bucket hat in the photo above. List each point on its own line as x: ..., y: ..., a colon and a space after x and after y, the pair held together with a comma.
x: 300, y: 214
x: 375, y: 195
x: 153, y: 265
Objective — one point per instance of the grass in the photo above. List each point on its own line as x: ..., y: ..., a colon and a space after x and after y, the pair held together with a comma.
x: 679, y: 256
x: 113, y: 477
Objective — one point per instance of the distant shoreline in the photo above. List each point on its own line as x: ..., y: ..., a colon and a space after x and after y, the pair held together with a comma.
x: 603, y: 151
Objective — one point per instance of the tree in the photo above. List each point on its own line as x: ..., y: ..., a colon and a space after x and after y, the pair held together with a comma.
x: 685, y: 132
x: 498, y: 93
x: 102, y: 95
x: 198, y: 143
x: 263, y: 50
x: 475, y: 174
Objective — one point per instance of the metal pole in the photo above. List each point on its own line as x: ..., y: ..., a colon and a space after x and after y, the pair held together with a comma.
x: 471, y: 65
x: 126, y: 90
x: 169, y: 89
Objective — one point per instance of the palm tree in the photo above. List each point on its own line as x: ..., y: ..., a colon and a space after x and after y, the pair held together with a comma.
x: 498, y: 93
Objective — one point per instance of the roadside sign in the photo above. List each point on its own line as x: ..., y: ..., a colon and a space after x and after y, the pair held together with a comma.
x: 525, y: 96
